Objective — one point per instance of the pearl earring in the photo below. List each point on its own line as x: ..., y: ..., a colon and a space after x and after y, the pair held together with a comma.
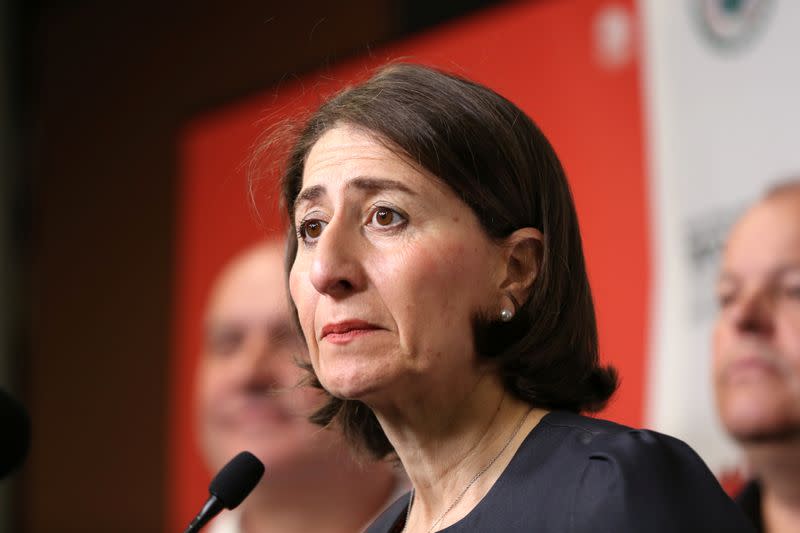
x: 507, y: 314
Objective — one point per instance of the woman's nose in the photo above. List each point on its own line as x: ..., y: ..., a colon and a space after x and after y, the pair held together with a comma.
x: 336, y: 269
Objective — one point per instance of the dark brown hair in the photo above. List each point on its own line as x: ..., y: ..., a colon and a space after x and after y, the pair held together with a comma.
x: 500, y: 164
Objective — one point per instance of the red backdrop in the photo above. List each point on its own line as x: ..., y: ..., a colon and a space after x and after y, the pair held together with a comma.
x: 542, y: 56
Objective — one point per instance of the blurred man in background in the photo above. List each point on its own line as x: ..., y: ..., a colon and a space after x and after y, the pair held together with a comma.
x: 248, y: 399
x: 757, y: 355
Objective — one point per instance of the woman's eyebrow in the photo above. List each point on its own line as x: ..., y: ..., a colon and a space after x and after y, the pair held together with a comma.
x: 372, y: 184
x: 363, y: 183
x: 309, y: 195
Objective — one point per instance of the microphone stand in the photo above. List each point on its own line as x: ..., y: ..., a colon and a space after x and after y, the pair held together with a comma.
x: 212, y: 507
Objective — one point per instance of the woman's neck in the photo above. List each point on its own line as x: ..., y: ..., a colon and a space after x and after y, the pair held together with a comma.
x: 455, y: 448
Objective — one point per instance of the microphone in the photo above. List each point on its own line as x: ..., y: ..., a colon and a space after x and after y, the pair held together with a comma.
x: 15, y: 427
x: 229, y: 487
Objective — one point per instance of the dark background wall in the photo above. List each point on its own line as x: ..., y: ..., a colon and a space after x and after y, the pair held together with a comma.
x: 96, y: 95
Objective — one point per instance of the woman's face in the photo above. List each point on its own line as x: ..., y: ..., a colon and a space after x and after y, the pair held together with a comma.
x: 391, y: 267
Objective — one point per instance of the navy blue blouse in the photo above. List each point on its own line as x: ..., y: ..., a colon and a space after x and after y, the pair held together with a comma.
x: 575, y: 474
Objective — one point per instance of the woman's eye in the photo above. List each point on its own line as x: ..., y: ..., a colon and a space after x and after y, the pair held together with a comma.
x: 310, y: 229
x: 386, y: 217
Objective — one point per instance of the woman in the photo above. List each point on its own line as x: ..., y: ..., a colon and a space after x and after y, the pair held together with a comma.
x: 438, y: 278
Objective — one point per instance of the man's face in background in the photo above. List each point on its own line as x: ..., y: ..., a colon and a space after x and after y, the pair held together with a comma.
x: 246, y: 390
x: 757, y: 333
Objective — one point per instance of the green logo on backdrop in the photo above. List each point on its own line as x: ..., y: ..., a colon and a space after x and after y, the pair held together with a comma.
x: 731, y: 24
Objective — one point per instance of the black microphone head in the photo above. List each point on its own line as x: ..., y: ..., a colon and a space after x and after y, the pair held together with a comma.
x: 15, y: 427
x: 236, y: 479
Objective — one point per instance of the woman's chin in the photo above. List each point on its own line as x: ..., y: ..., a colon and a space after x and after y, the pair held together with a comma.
x: 345, y: 387
x: 353, y: 385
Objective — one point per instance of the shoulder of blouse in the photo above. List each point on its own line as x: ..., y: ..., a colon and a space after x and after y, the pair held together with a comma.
x: 641, y: 480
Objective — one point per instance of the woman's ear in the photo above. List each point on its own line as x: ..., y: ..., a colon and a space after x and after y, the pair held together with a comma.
x: 523, y: 260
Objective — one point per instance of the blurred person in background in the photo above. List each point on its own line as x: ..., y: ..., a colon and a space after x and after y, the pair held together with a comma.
x: 757, y: 355
x: 248, y: 398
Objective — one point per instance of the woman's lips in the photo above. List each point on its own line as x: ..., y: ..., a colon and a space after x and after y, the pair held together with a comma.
x: 346, y: 331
